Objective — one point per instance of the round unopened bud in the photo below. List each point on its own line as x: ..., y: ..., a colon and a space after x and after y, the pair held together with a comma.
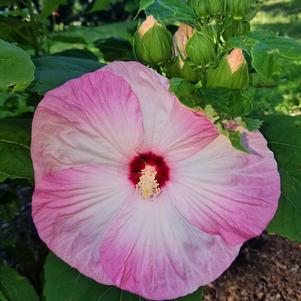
x: 153, y: 42
x: 199, y: 7
x: 238, y: 8
x: 183, y: 70
x: 180, y: 39
x: 200, y: 49
x: 232, y: 72
x: 238, y: 28
x: 207, y: 8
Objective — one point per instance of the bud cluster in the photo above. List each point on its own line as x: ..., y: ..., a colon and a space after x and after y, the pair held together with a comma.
x: 200, y: 54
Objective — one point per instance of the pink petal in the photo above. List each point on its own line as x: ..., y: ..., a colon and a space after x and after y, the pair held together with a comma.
x: 92, y: 119
x: 224, y: 191
x: 71, y: 209
x: 149, y: 249
x: 170, y: 128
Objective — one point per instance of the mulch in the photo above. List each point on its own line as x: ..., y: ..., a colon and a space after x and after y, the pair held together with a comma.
x: 267, y: 269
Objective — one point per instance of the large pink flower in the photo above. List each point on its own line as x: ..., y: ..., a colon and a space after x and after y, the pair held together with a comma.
x: 134, y: 189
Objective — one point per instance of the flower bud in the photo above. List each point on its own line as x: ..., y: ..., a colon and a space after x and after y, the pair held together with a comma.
x: 180, y: 39
x: 199, y: 7
x: 232, y: 72
x: 180, y: 68
x: 238, y: 28
x: 207, y: 8
x: 183, y: 70
x: 200, y: 49
x: 153, y: 42
x: 238, y: 8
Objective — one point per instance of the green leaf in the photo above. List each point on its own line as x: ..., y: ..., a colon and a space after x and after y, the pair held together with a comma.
x: 236, y: 141
x: 167, y: 9
x: 100, y: 5
x: 185, y: 91
x: 266, y: 48
x: 285, y: 46
x: 284, y: 139
x: 88, y: 35
x: 16, y: 68
x: 50, y: 6
x: 63, y: 282
x: 15, y: 149
x: 252, y: 124
x: 14, y: 287
x: 115, y: 49
x: 233, y: 103
x: 265, y: 60
x: 53, y: 71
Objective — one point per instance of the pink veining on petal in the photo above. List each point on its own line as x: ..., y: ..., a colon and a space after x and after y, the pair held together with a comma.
x: 170, y: 128
x: 151, y: 250
x: 224, y: 191
x: 71, y: 209
x: 92, y: 139
x: 86, y: 121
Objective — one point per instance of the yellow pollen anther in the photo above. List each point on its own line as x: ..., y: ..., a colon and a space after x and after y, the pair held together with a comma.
x: 148, y: 186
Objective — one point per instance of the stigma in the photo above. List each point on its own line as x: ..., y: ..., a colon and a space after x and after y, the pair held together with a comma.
x: 148, y: 186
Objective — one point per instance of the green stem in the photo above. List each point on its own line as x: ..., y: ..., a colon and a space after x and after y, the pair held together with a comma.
x: 33, y: 23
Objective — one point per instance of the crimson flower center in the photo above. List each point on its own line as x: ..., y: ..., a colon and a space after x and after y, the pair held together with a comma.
x: 149, y: 174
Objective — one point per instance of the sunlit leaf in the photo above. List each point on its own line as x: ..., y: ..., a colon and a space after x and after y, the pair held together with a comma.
x: 16, y: 68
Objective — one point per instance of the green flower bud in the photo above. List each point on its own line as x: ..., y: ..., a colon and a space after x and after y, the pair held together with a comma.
x: 238, y: 28
x: 180, y: 39
x: 232, y: 72
x: 200, y: 49
x: 182, y: 69
x: 153, y: 42
x: 199, y: 7
x: 238, y: 8
x: 207, y: 8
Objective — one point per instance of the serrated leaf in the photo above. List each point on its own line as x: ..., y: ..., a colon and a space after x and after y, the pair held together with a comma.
x: 16, y: 68
x: 283, y: 134
x: 53, y: 71
x: 14, y: 287
x: 15, y: 149
x: 63, y: 282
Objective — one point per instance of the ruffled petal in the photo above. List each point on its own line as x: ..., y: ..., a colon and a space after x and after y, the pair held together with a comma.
x: 71, y: 209
x: 150, y: 249
x: 227, y: 192
x: 89, y: 120
x: 170, y: 128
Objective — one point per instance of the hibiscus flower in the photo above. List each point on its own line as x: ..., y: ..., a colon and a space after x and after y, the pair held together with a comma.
x: 134, y: 189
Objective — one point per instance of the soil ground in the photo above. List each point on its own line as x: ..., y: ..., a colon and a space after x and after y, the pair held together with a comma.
x: 267, y: 269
